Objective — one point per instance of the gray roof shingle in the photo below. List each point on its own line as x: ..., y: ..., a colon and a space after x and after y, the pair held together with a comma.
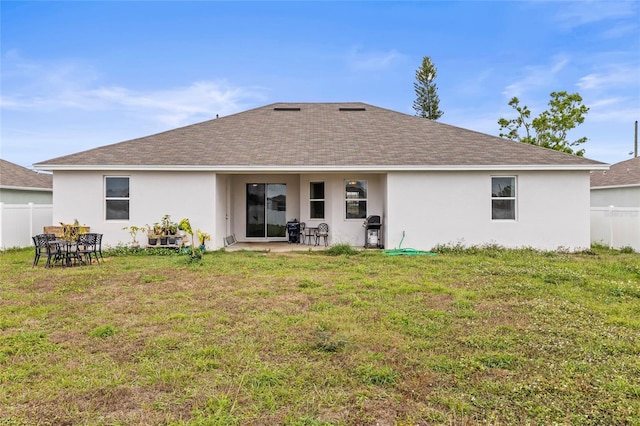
x: 317, y: 135
x: 620, y: 174
x: 15, y: 176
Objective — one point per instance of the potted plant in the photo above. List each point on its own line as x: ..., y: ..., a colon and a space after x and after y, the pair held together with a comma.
x: 173, y: 230
x: 133, y: 231
x: 71, y: 232
x: 167, y: 225
x: 202, y: 237
x: 152, y: 238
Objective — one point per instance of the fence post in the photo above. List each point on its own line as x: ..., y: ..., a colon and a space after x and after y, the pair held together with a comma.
x: 30, y: 221
x: 611, y: 226
x: 1, y: 226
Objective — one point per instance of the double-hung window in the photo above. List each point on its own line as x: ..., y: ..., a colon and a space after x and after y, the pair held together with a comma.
x: 316, y: 200
x: 503, y: 198
x: 355, y: 199
x: 116, y: 194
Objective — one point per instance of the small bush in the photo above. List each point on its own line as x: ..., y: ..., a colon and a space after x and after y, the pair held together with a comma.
x: 627, y: 250
x: 341, y: 249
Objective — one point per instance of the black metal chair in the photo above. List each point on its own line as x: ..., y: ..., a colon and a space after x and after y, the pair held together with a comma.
x: 86, y: 247
x: 322, y: 232
x: 40, y: 245
x: 99, y: 247
x: 45, y: 244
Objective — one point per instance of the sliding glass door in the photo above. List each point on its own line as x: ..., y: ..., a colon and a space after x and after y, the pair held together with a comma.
x: 266, y: 210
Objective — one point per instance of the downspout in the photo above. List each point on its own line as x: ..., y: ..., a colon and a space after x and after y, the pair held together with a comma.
x: 228, y: 207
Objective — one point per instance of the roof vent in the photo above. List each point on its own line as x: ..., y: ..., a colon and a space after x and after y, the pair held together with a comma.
x: 286, y: 109
x: 352, y: 109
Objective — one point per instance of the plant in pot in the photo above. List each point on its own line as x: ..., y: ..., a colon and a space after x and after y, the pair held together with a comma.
x: 133, y: 231
x: 185, y: 225
x: 202, y: 237
x: 152, y: 237
x: 173, y: 230
x: 71, y: 232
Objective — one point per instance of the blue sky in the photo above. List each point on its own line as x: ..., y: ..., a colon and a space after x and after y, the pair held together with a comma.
x: 77, y: 75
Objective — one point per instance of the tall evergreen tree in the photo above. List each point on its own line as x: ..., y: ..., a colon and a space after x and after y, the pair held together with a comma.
x: 427, y: 103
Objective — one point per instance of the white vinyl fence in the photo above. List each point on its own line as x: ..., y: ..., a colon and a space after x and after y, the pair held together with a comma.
x: 20, y: 222
x: 616, y: 227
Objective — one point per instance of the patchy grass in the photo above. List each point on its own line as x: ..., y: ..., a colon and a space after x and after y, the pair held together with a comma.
x: 470, y: 336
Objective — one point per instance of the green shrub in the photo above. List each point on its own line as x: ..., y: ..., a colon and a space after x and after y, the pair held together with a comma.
x: 341, y: 249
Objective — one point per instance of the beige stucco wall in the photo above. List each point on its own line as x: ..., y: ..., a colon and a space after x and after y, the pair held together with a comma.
x: 430, y: 207
x: 341, y: 229
x: 455, y: 207
x: 80, y: 195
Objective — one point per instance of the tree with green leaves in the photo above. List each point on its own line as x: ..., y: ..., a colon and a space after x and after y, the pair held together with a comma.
x: 427, y: 103
x: 550, y: 128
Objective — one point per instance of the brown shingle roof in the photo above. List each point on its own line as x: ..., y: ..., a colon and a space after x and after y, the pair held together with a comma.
x: 620, y: 174
x: 316, y: 135
x: 15, y: 176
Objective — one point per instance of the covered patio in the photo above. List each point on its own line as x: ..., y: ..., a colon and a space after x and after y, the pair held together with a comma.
x: 274, y: 247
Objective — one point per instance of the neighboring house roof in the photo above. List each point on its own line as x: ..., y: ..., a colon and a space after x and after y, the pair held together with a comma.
x: 13, y: 176
x: 319, y: 136
x: 624, y: 173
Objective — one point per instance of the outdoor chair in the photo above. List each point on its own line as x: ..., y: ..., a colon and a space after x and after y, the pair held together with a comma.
x: 40, y: 245
x: 322, y: 232
x: 45, y: 244
x: 308, y: 234
x: 87, y: 246
x: 84, y: 247
x: 99, y: 247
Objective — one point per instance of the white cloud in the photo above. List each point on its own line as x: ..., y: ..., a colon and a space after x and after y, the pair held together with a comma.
x: 612, y: 76
x: 620, y: 31
x: 372, y: 61
x: 580, y: 13
x: 536, y: 76
x: 56, y: 87
x: 614, y: 110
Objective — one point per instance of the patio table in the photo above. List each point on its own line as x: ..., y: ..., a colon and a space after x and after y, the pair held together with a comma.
x: 309, y: 233
x: 68, y: 252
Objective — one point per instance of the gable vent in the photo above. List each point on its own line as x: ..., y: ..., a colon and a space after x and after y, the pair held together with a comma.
x: 353, y: 109
x: 286, y: 109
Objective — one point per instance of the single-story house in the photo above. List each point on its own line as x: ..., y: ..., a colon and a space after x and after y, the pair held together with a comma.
x: 249, y: 173
x: 619, y: 186
x: 615, y: 205
x: 25, y: 204
x: 19, y: 185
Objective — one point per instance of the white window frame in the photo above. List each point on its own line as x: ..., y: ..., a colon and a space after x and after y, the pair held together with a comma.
x: 514, y: 198
x: 315, y: 200
x: 107, y: 198
x: 347, y: 198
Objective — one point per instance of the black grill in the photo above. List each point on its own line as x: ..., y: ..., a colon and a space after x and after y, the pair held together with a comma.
x: 373, y: 232
x: 293, y: 229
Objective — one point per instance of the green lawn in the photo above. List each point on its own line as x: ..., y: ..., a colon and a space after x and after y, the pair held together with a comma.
x: 461, y: 338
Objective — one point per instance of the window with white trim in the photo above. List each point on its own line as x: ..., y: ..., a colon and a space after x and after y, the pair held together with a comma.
x: 116, y: 195
x: 503, y: 198
x: 355, y: 199
x: 316, y: 200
